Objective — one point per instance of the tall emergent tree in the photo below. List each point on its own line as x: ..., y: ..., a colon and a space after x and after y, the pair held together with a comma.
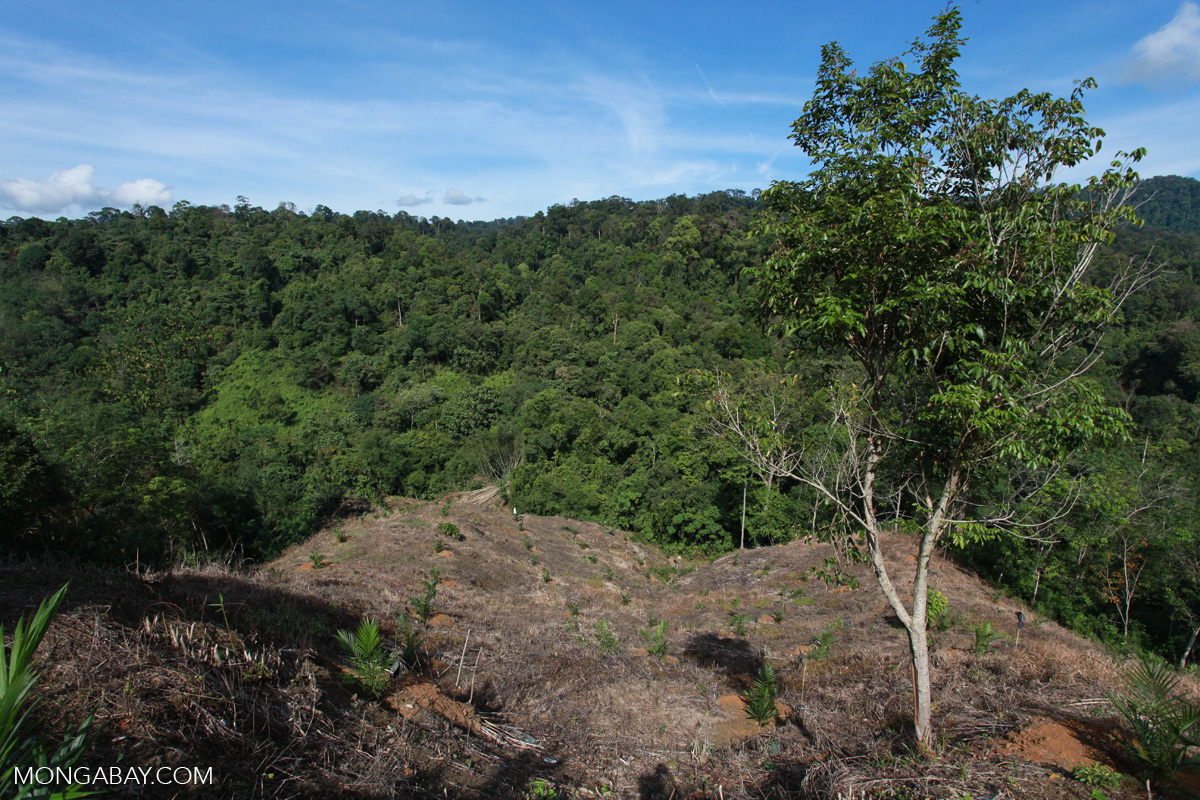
x: 932, y: 246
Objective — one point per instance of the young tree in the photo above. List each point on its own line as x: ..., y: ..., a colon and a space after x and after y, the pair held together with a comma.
x: 931, y: 245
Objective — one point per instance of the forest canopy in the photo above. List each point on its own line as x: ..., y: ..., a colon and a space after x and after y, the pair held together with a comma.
x: 230, y: 378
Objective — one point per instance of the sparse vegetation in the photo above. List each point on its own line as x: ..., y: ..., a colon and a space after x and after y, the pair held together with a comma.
x: 985, y: 635
x: 451, y: 530
x: 317, y: 560
x: 606, y: 641
x: 422, y: 604
x: 369, y: 660
x: 823, y: 644
x: 655, y: 637
x: 1164, y: 726
x: 19, y: 749
x: 760, y: 700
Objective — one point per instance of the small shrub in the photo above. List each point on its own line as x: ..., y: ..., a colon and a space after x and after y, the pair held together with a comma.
x: 937, y: 611
x: 533, y: 560
x: 591, y: 559
x: 609, y: 575
x: 368, y: 658
x: 437, y: 545
x: 760, y: 700
x: 606, y: 640
x: 985, y: 634
x: 317, y: 560
x: 1097, y: 775
x: 341, y: 535
x: 451, y: 530
x: 655, y: 638
x: 545, y: 575
x: 1164, y: 724
x: 422, y: 605
x: 573, y: 608
x: 823, y: 644
x: 625, y: 598
x: 528, y: 543
x: 737, y: 620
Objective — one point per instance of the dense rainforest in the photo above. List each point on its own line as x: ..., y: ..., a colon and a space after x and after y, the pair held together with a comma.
x: 226, y: 379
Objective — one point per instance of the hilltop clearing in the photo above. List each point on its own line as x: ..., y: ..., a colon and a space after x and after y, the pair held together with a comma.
x: 542, y: 669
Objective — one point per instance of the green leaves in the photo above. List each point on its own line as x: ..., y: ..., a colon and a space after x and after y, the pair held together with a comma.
x: 1163, y: 723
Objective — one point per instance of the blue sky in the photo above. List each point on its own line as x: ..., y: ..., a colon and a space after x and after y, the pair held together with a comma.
x: 479, y: 110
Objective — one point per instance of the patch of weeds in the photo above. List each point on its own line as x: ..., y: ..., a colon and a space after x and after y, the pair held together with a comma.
x: 985, y: 634
x: 451, y: 530
x: 528, y: 543
x: 777, y: 615
x: 667, y: 574
x: 606, y: 640
x: 341, y: 535
x: 760, y: 700
x: 737, y: 621
x: 766, y: 569
x: 582, y: 544
x: 831, y: 572
x: 422, y: 605
x: 1098, y: 777
x: 823, y: 644
x: 655, y: 637
x: 368, y: 658
x: 545, y: 575
x: 573, y: 608
x: 317, y: 559
x: 609, y: 575
x: 437, y: 544
x: 625, y: 598
x: 533, y: 559
x: 590, y: 558
x: 446, y: 508
x: 737, y: 557
x: 542, y: 790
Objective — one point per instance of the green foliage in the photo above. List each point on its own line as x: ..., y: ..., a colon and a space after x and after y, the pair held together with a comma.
x: 1163, y: 725
x: 451, y: 530
x: 937, y: 610
x: 985, y: 635
x: 822, y: 645
x: 655, y: 637
x: 369, y: 659
x: 317, y: 560
x: 606, y: 641
x: 760, y: 700
x: 737, y: 620
x: 18, y: 679
x: 422, y: 604
x: 1097, y: 775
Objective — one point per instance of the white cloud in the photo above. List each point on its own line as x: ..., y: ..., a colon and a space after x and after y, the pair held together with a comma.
x: 457, y: 197
x: 410, y: 200
x: 75, y: 187
x: 145, y: 191
x: 1172, y: 53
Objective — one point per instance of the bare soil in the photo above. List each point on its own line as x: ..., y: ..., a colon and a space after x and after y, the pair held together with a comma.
x: 536, y: 678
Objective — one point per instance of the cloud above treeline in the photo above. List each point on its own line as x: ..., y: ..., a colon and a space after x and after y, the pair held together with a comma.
x: 1170, y: 55
x: 452, y: 197
x: 76, y: 188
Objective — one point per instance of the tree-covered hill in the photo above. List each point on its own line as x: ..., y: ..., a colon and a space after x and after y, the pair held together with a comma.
x: 227, y: 378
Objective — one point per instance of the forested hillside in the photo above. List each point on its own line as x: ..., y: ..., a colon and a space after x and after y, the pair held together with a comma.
x: 216, y: 378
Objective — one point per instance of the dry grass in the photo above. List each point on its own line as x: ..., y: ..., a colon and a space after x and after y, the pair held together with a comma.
x: 256, y: 690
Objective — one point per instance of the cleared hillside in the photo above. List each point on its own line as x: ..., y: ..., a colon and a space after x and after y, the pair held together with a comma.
x: 520, y: 691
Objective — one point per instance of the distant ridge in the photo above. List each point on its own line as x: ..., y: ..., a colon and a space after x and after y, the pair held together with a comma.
x: 1170, y: 202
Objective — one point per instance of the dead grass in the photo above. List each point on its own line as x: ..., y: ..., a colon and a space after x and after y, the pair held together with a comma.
x: 256, y: 690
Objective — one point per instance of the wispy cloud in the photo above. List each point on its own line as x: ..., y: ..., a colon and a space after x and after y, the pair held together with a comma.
x: 1171, y: 55
x: 410, y: 200
x: 457, y: 197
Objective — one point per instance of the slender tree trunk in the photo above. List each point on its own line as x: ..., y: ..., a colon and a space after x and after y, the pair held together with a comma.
x: 1188, y: 650
x: 918, y: 643
x: 743, y: 547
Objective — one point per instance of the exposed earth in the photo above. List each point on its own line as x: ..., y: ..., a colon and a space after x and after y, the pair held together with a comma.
x: 541, y: 675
